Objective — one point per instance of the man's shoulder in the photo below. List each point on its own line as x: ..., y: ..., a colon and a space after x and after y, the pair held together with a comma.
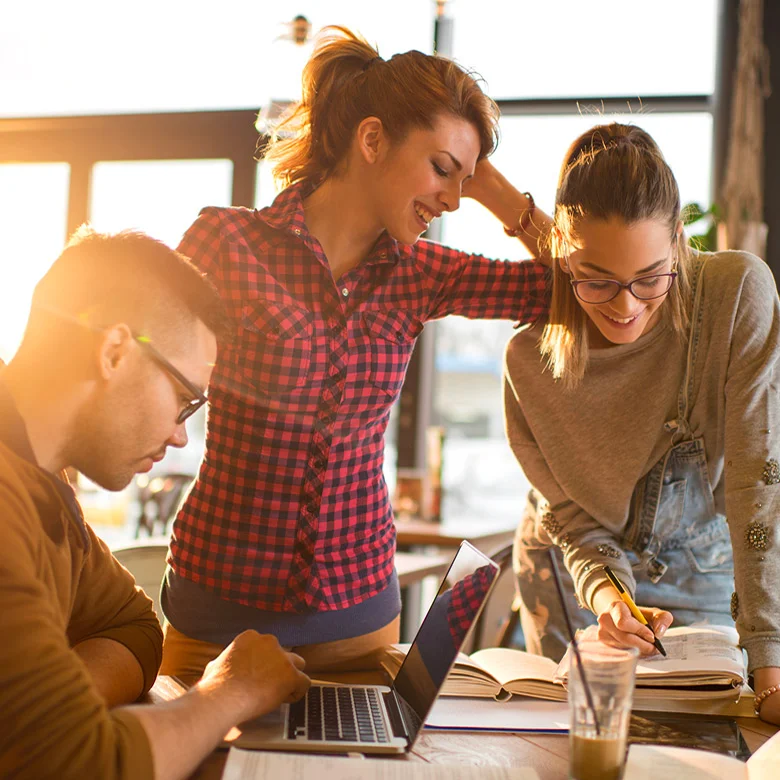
x: 29, y: 504
x: 15, y: 477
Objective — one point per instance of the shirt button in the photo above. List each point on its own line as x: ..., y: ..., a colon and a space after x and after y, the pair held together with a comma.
x: 383, y: 255
x: 344, y: 291
x: 297, y: 231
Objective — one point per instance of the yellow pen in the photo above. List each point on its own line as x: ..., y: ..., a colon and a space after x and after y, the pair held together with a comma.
x: 633, y: 607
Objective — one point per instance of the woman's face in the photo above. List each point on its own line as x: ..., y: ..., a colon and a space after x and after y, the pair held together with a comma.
x: 613, y: 249
x: 422, y: 176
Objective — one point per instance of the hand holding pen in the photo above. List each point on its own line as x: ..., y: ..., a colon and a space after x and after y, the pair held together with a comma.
x: 623, y: 624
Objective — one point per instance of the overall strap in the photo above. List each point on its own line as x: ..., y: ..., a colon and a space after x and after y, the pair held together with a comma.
x: 680, y: 427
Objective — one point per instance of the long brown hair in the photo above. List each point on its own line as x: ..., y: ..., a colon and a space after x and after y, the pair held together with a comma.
x: 346, y: 80
x: 612, y: 170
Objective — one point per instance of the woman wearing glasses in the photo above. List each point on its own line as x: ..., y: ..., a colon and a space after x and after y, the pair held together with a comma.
x: 645, y: 413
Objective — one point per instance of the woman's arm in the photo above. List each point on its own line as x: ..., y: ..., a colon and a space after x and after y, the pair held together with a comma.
x: 763, y: 681
x: 752, y: 450
x: 585, y: 543
x: 493, y: 190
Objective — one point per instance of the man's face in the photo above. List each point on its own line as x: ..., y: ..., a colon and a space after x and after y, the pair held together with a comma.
x: 133, y: 419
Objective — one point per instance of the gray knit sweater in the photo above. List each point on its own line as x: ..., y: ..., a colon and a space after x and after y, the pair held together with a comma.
x: 585, y: 449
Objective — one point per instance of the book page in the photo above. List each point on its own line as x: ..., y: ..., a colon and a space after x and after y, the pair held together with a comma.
x: 257, y: 765
x: 649, y: 762
x: 696, y: 655
x: 507, y: 665
x: 398, y: 652
x: 696, y: 649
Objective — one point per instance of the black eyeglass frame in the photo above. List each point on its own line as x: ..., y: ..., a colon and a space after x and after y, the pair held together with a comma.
x: 200, y: 398
x: 575, y: 283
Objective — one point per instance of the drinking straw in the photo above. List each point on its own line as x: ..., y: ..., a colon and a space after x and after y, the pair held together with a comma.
x: 575, y: 648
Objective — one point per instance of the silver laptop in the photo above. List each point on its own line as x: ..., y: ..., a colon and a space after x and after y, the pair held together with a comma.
x: 377, y: 718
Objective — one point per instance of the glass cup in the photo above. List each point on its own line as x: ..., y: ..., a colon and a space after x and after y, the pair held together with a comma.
x: 600, y: 755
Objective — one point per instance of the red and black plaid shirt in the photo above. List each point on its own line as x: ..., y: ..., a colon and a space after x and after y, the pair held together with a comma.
x: 290, y: 511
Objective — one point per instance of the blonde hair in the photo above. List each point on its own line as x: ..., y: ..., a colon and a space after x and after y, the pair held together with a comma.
x: 346, y: 80
x: 612, y: 170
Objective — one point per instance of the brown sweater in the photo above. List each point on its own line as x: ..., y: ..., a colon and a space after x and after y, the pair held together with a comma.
x: 60, y: 585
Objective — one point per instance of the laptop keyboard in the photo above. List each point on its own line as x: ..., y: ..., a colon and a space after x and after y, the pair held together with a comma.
x: 332, y: 713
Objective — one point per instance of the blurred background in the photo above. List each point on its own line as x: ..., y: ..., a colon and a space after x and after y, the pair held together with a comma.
x: 138, y: 115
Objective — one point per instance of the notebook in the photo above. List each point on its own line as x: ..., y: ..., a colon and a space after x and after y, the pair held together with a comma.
x: 379, y: 718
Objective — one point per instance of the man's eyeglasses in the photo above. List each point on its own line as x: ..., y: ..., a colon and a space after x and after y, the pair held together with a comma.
x: 199, y: 397
x: 645, y: 288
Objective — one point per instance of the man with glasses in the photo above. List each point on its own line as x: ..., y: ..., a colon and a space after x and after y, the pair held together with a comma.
x: 116, y: 356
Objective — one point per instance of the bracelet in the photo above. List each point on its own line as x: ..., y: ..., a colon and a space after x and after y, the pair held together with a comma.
x: 525, y: 218
x: 765, y: 694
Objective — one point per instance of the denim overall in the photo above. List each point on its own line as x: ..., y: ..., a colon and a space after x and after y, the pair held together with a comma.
x: 676, y: 541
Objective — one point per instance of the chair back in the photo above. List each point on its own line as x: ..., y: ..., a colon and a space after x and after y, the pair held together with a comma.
x: 146, y: 562
x: 499, y: 621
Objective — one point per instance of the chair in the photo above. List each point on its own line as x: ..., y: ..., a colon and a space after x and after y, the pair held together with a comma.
x: 159, y: 498
x: 489, y: 633
x: 146, y: 562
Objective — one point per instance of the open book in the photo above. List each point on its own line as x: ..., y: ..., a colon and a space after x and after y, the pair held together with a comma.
x: 649, y: 762
x: 704, y: 664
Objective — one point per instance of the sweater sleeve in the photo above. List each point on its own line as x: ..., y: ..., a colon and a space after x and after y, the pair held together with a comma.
x: 586, y: 544
x: 53, y: 724
x: 109, y: 605
x: 480, y: 288
x: 752, y: 455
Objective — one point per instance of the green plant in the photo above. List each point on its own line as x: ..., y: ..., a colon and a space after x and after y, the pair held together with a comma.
x: 705, y: 222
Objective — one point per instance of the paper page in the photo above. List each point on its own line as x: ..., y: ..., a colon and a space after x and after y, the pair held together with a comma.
x: 464, y: 665
x: 764, y: 764
x: 487, y: 715
x: 399, y: 651
x: 507, y: 665
x: 691, y: 650
x: 697, y: 648
x: 649, y: 762
x: 256, y: 765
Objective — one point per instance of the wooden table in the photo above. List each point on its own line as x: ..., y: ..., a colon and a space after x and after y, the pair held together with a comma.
x: 485, y: 535
x: 548, y: 754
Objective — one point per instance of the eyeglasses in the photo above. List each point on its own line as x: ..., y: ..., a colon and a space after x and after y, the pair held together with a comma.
x: 199, y: 397
x: 645, y: 288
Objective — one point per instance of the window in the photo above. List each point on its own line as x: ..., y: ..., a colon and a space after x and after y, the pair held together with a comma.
x: 160, y: 197
x: 33, y: 208
x: 480, y: 476
x: 568, y: 48
x: 88, y: 57
x: 93, y: 57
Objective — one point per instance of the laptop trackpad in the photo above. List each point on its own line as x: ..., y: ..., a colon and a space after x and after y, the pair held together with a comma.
x: 266, y: 728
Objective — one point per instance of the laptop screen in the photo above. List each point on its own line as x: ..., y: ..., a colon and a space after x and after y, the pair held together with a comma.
x: 457, y: 604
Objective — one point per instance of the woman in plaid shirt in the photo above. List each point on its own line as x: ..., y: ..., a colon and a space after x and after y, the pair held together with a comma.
x: 288, y: 528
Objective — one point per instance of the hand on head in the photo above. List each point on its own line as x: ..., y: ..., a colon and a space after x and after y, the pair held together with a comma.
x: 256, y: 672
x: 619, y: 628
